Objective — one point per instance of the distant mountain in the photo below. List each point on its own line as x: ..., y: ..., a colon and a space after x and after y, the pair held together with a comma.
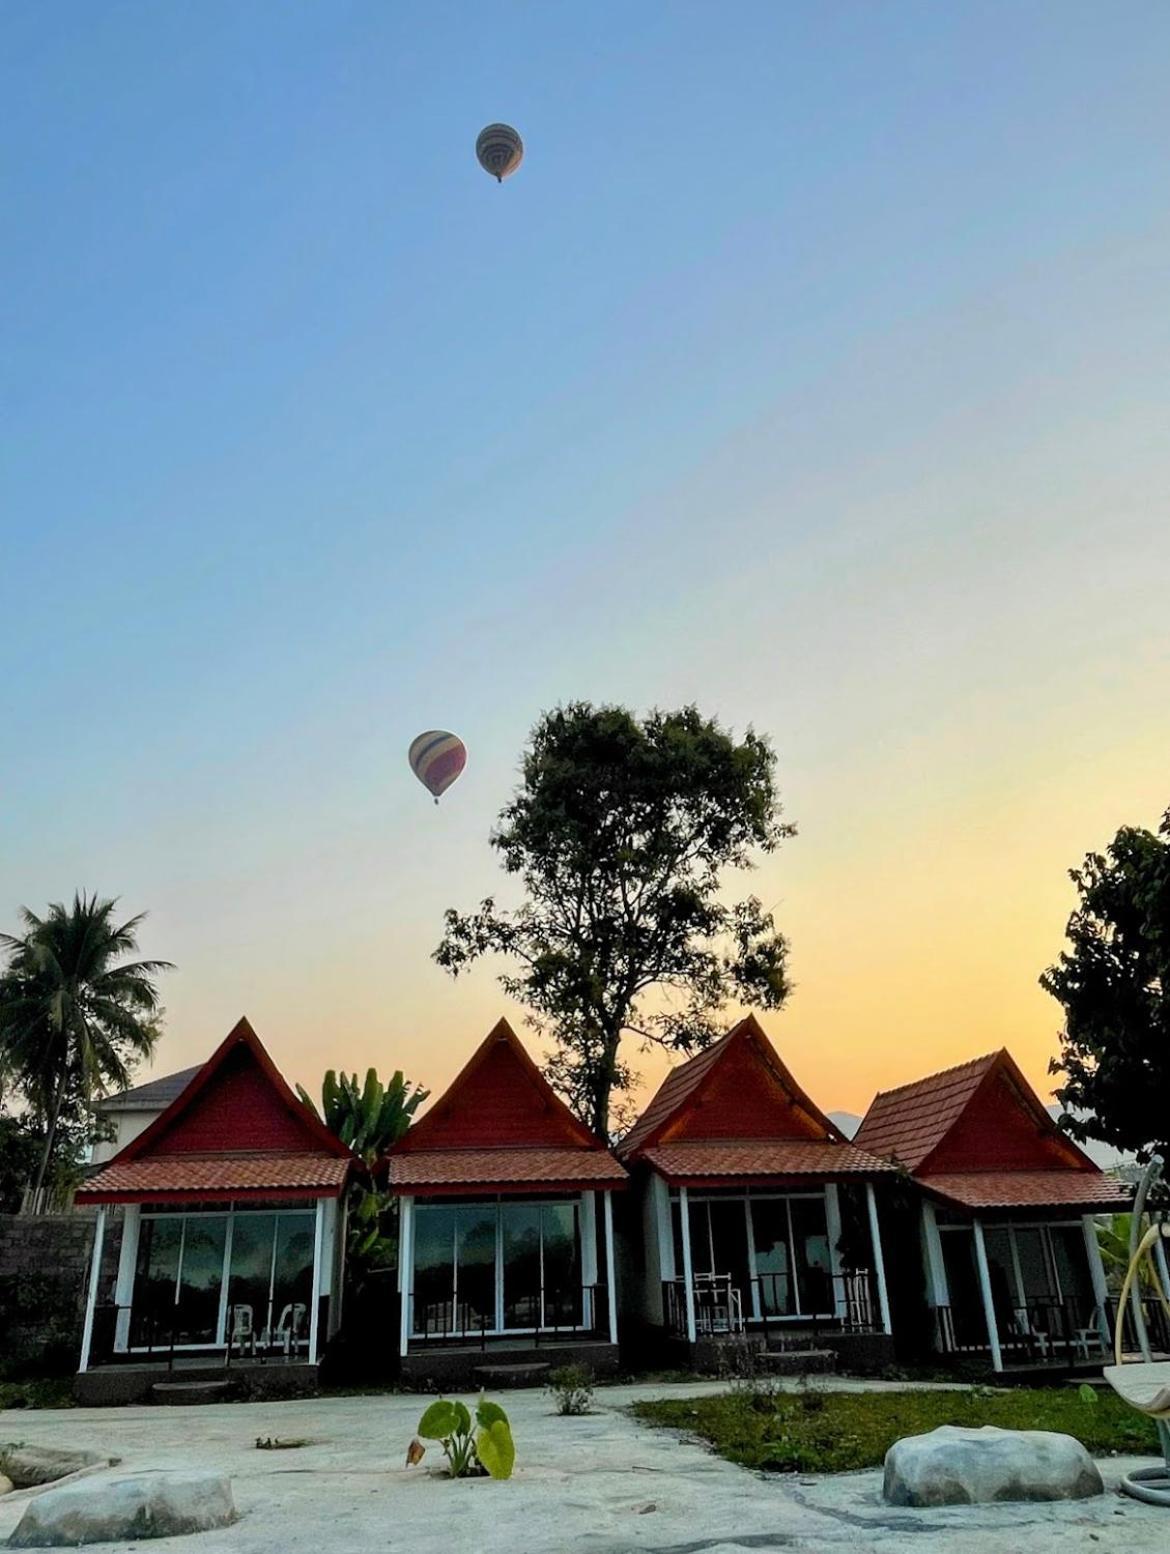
x: 848, y: 1122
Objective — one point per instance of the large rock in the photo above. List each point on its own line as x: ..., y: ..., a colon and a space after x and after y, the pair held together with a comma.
x: 27, y: 1466
x: 952, y: 1466
x: 156, y: 1505
x: 6, y: 1485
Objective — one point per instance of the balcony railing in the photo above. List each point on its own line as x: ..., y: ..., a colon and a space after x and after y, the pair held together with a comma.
x: 1048, y: 1331
x: 841, y: 1302
x: 543, y: 1315
x: 128, y: 1334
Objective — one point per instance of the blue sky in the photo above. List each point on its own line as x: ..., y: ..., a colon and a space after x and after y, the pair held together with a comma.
x: 813, y: 367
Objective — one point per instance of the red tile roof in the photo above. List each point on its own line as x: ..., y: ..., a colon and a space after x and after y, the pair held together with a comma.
x: 216, y: 1177
x: 449, y: 1170
x: 906, y: 1124
x: 1031, y: 1189
x: 760, y: 1098
x: 695, y: 1161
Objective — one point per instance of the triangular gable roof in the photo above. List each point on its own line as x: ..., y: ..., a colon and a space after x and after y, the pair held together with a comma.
x: 151, y: 1096
x: 738, y: 1089
x: 982, y: 1115
x: 238, y: 1103
x: 498, y: 1100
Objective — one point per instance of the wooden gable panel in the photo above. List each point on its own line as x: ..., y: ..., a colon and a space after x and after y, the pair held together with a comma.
x: 499, y: 1100
x: 237, y: 1110
x: 742, y: 1097
x: 1003, y: 1128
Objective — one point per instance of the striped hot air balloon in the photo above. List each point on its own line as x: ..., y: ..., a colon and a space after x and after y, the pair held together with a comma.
x: 499, y: 150
x: 436, y: 759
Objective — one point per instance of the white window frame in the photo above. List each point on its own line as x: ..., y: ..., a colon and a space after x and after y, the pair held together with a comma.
x: 748, y: 1196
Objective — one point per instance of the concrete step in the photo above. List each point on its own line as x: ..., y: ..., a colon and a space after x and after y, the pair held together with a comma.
x: 796, y: 1362
x: 533, y: 1374
x: 203, y: 1391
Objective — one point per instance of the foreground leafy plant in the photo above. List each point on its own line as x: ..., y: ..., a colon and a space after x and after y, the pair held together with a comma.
x: 483, y: 1445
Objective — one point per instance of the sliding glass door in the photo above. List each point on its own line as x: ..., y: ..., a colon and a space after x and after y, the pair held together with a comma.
x: 503, y: 1266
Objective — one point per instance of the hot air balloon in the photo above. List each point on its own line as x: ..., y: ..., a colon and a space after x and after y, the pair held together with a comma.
x: 499, y: 150
x: 436, y: 759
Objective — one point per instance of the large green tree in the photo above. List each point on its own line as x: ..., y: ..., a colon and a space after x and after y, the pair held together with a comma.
x: 76, y: 1014
x: 1113, y: 982
x: 622, y: 834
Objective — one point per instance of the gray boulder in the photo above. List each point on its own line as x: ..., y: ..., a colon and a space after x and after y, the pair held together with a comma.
x: 953, y: 1466
x: 27, y: 1466
x: 156, y: 1505
x: 6, y: 1485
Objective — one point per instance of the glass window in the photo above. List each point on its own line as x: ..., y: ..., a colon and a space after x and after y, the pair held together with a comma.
x: 475, y: 1270
x: 201, y: 1278
x: 522, y: 1280
x: 968, y: 1323
x: 292, y: 1277
x: 1005, y: 1292
x: 250, y: 1274
x: 814, y: 1265
x: 776, y: 1291
x: 561, y: 1264
x: 1072, y: 1266
x: 434, y: 1268
x: 156, y: 1280
x: 1035, y: 1266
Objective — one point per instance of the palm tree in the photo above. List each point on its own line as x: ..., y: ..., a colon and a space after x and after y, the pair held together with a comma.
x: 75, y: 1015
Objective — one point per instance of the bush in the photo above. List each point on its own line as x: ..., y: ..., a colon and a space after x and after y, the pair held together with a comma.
x: 572, y: 1387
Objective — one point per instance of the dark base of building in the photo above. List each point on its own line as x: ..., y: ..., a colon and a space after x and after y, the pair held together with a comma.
x: 502, y: 1366
x: 194, y: 1381
x: 793, y: 1354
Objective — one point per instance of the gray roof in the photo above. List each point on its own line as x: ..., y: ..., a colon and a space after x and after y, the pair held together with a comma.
x: 153, y: 1096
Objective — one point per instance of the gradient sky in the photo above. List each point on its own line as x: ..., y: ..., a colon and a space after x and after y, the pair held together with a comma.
x: 815, y: 367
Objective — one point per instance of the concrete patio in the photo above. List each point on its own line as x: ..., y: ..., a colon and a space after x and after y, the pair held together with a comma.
x: 601, y: 1484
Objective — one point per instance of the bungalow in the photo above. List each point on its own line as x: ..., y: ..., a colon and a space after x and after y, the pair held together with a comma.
x: 1013, y: 1267
x: 757, y: 1215
x: 506, y: 1246
x: 231, y: 1248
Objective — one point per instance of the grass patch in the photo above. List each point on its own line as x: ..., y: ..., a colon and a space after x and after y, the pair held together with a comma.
x: 811, y: 1431
x: 54, y: 1392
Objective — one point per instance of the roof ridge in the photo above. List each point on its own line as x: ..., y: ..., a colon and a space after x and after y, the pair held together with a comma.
x: 940, y: 1073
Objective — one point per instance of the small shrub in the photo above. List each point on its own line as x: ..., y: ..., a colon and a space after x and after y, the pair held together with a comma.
x: 484, y: 1445
x: 572, y: 1387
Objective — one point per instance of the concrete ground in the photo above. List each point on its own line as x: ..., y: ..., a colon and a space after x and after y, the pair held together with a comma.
x: 599, y: 1485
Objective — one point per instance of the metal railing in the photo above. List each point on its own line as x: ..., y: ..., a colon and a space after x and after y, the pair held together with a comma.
x: 543, y: 1315
x: 126, y: 1334
x: 1047, y: 1331
x: 829, y: 1302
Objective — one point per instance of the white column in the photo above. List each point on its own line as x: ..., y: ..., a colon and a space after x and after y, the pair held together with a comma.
x: 688, y: 1270
x: 833, y: 1230
x: 1097, y: 1275
x: 610, y: 1266
x: 405, y: 1268
x: 879, y: 1262
x: 588, y: 1255
x: 95, y: 1270
x: 127, y: 1263
x: 988, y: 1303
x: 315, y: 1310
x: 937, y: 1292
x: 336, y: 1308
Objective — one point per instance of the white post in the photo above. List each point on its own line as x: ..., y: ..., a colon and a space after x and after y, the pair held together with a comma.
x: 405, y: 1268
x: 588, y: 1257
x: 610, y: 1269
x: 127, y: 1264
x: 833, y: 1230
x: 688, y: 1270
x: 1097, y: 1275
x: 936, y: 1268
x: 315, y: 1309
x: 1160, y: 1259
x: 879, y: 1262
x: 988, y: 1303
x: 95, y: 1269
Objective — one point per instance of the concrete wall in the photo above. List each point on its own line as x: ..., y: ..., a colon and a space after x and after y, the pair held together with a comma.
x: 44, y: 1267
x: 127, y: 1126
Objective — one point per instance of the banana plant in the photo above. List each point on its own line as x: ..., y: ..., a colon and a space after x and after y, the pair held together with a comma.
x: 369, y: 1118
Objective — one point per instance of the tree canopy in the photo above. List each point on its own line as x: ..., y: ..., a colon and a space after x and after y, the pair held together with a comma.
x: 621, y: 835
x: 1114, y: 985
x: 75, y: 1014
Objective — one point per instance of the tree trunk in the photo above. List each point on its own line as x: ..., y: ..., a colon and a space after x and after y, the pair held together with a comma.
x: 58, y: 1100
x: 603, y: 1086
